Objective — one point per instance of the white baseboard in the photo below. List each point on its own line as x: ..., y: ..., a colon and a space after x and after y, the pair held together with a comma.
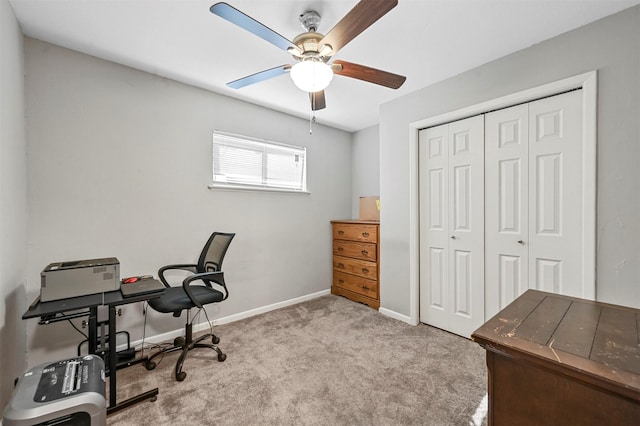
x: 168, y: 336
x: 263, y: 309
x: 395, y: 315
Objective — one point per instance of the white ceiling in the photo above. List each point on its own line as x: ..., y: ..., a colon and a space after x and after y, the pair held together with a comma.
x: 425, y: 40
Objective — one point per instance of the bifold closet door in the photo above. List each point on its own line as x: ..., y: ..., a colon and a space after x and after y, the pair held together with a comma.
x: 534, y: 190
x: 506, y: 206
x: 451, y: 173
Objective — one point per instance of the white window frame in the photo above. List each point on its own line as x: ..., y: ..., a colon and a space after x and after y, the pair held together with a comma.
x: 249, y: 170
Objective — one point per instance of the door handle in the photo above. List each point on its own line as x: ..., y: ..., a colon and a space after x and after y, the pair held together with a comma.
x: 453, y: 237
x: 521, y: 242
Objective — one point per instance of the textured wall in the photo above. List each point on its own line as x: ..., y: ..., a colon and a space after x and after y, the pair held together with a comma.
x: 366, y: 166
x: 13, y: 192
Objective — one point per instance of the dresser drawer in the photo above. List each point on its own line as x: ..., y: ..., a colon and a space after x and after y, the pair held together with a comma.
x: 355, y: 232
x: 364, y: 251
x: 357, y: 267
x: 356, y: 284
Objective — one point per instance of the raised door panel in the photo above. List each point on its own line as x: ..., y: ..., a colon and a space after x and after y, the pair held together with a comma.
x: 462, y: 282
x: 466, y: 225
x: 506, y: 206
x: 452, y: 225
x: 434, y: 221
x: 556, y: 194
x: 435, y: 267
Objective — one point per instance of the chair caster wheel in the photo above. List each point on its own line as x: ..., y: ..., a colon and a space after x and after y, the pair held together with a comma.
x: 153, y: 399
x: 215, y: 340
x: 181, y: 376
x: 221, y: 357
x: 178, y: 341
x: 150, y: 365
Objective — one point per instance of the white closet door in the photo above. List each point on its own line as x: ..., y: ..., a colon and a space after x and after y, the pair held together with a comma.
x: 452, y: 225
x: 533, y: 167
x: 506, y: 206
x: 434, y: 223
x: 555, y: 194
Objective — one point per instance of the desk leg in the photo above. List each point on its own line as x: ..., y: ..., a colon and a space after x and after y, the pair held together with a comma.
x: 93, y: 330
x: 113, y: 366
x: 112, y: 356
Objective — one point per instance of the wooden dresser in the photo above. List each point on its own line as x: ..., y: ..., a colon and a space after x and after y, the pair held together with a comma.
x: 558, y: 360
x: 356, y: 260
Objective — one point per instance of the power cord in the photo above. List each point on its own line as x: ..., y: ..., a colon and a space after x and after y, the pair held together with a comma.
x: 144, y: 333
x: 75, y: 327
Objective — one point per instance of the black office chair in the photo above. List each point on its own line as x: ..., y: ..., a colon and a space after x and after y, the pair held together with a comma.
x: 208, y: 271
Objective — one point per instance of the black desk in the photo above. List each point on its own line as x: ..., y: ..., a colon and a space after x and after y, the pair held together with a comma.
x: 82, y: 306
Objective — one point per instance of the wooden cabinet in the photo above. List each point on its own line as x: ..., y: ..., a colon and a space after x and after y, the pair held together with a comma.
x: 558, y: 360
x: 356, y: 260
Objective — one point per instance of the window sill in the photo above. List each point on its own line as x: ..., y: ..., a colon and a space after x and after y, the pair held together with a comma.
x: 255, y: 189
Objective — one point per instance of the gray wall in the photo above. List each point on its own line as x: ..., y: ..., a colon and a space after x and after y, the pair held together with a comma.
x: 13, y: 190
x: 119, y: 162
x: 365, y: 173
x: 611, y: 46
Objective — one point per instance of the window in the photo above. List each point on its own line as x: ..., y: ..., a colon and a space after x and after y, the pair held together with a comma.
x: 240, y: 162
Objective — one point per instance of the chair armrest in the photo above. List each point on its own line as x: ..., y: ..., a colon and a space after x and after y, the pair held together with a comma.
x: 207, y: 277
x: 180, y: 266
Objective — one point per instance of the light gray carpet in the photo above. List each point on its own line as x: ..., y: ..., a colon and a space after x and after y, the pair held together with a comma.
x: 328, y: 361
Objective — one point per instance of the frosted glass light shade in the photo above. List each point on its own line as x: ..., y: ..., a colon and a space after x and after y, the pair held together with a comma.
x: 311, y: 76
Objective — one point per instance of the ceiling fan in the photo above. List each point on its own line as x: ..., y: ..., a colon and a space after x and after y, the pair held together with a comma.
x: 313, y: 51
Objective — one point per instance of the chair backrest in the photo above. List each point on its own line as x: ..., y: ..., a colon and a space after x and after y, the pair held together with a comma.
x: 214, y: 251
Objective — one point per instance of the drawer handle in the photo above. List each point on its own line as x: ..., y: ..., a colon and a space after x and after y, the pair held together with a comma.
x: 365, y: 234
x: 341, y: 232
x: 341, y: 281
x: 365, y: 270
x: 364, y: 252
x: 341, y: 265
x: 340, y: 249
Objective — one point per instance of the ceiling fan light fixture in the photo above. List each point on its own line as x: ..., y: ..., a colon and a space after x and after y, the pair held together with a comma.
x: 311, y: 75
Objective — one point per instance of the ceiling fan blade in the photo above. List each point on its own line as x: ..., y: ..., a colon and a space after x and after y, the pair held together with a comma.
x: 259, y: 76
x: 361, y: 17
x: 317, y: 100
x: 372, y: 75
x: 246, y: 22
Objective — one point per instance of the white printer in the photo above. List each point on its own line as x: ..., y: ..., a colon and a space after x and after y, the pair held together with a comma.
x: 62, y: 280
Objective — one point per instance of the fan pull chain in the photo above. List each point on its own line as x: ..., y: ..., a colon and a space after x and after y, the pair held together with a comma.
x: 312, y: 119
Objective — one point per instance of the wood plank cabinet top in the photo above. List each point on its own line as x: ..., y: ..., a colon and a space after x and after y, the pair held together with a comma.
x: 594, y: 342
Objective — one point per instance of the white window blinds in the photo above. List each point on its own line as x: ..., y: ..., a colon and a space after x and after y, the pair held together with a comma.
x: 247, y: 163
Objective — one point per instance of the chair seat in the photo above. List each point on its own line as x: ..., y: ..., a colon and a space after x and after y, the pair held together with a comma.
x: 175, y: 299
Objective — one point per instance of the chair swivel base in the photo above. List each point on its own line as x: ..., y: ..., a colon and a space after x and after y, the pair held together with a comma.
x: 185, y: 344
